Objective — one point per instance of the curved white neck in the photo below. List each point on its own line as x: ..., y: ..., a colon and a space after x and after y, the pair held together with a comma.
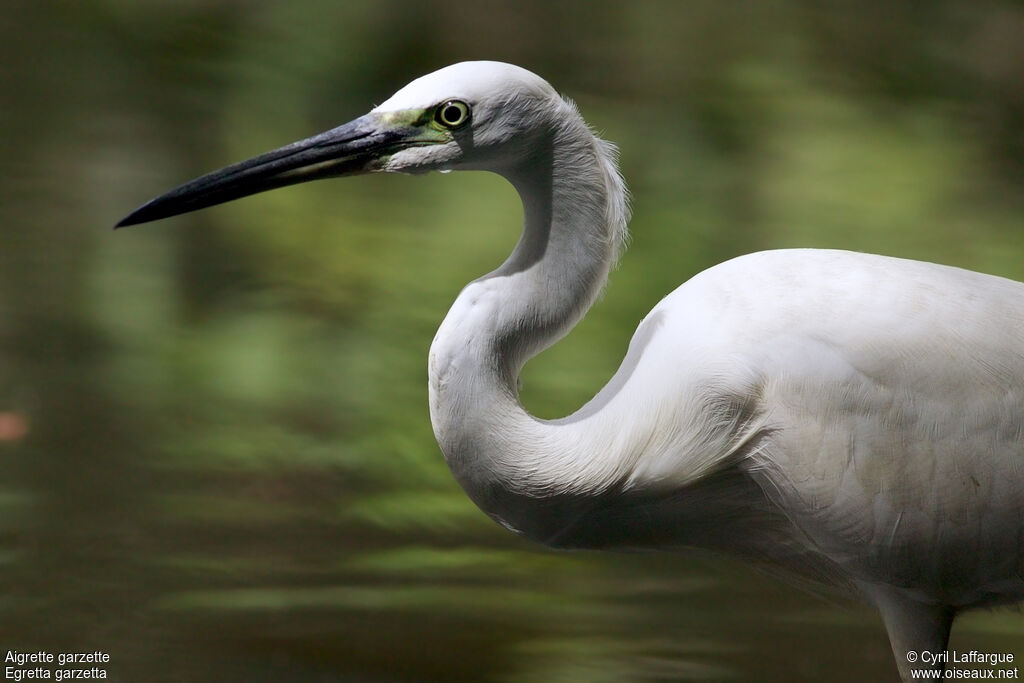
x: 574, y: 214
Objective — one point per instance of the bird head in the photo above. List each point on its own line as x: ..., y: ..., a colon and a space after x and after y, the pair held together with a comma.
x: 471, y: 115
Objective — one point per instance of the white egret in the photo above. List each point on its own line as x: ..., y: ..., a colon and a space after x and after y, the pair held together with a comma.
x: 853, y: 419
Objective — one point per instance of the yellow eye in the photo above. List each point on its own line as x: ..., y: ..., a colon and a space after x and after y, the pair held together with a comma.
x: 452, y: 114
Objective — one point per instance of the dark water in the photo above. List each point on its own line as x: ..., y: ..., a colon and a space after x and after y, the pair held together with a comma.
x: 217, y: 462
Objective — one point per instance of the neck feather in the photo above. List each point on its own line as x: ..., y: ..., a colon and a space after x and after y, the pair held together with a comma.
x: 575, y: 214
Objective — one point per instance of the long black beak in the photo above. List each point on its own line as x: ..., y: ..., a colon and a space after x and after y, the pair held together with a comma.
x: 355, y: 147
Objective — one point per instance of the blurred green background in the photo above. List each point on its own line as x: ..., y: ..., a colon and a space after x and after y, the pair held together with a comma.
x: 216, y: 454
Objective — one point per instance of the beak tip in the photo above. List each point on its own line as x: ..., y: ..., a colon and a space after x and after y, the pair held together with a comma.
x: 130, y: 219
x: 146, y: 213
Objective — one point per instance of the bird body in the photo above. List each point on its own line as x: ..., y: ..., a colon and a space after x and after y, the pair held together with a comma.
x: 869, y: 398
x: 854, y: 419
x: 887, y: 409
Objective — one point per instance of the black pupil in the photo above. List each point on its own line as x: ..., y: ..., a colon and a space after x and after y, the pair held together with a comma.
x: 451, y: 114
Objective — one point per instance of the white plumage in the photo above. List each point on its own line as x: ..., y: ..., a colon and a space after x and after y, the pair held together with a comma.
x: 854, y: 419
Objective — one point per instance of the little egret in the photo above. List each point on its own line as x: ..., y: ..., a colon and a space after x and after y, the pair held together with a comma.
x: 856, y: 420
